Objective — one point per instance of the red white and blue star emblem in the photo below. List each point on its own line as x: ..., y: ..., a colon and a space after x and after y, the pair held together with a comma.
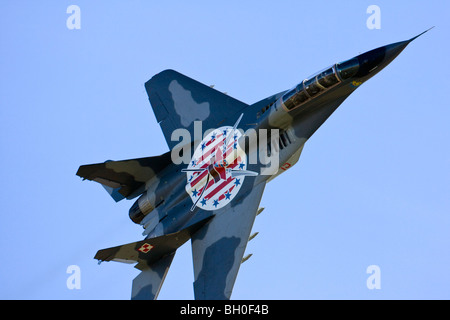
x: 217, y: 169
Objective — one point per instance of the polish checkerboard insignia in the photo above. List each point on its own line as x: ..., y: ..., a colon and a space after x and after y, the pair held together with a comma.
x: 145, y: 248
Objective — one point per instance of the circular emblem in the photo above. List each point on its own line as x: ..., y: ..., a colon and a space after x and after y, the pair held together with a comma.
x: 217, y: 169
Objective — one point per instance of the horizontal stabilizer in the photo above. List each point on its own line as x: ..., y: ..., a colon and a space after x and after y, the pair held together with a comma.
x: 126, y: 178
x: 145, y: 252
x: 148, y: 251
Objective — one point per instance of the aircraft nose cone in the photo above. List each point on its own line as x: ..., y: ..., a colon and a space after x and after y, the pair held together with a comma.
x: 375, y: 60
x: 368, y: 64
x: 370, y: 61
x: 393, y: 50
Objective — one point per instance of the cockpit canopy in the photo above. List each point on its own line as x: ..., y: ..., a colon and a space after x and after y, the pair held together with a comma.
x: 310, y: 88
x: 347, y: 69
x: 357, y: 67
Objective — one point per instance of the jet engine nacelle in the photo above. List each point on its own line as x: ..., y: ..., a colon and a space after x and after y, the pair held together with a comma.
x: 168, y: 192
x: 143, y: 206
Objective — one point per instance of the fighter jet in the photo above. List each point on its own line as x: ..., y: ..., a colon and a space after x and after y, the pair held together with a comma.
x: 207, y: 188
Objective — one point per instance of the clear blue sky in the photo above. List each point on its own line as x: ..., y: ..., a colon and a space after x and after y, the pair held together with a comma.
x: 372, y: 186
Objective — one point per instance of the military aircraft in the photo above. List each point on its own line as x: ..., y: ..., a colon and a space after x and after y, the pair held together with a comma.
x: 212, y: 196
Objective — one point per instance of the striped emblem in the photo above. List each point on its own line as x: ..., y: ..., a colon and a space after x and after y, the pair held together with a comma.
x: 211, y: 183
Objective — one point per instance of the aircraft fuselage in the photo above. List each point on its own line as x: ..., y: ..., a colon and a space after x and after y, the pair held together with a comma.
x: 296, y: 114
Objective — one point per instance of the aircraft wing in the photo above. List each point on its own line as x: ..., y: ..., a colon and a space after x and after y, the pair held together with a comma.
x: 218, y: 247
x: 178, y: 101
x: 126, y: 178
